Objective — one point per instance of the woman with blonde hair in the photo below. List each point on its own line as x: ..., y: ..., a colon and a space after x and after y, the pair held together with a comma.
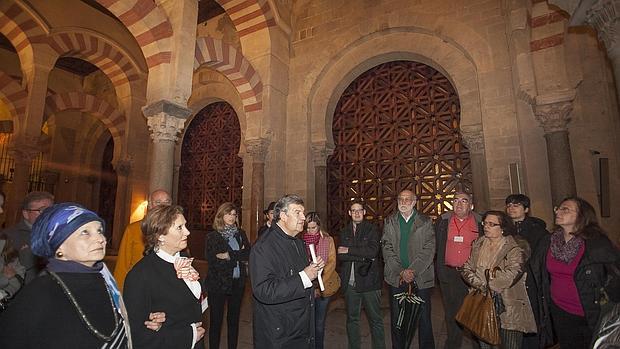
x: 227, y: 250
x: 324, y: 246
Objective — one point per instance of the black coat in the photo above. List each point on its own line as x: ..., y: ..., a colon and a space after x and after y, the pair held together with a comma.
x: 283, y: 308
x: 365, y: 251
x: 42, y: 316
x: 590, y: 276
x: 220, y: 275
x: 152, y: 286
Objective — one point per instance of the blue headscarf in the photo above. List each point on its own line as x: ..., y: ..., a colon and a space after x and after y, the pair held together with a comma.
x: 56, y: 224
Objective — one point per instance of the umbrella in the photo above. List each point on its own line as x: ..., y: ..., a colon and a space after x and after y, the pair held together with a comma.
x: 409, y: 314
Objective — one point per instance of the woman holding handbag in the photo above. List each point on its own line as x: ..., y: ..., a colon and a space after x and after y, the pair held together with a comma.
x: 502, y: 257
x: 324, y: 247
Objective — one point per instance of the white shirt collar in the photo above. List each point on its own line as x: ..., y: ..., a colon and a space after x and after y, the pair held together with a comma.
x: 167, y: 256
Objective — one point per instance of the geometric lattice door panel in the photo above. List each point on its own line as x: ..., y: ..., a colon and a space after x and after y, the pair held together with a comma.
x: 211, y: 170
x: 396, y: 127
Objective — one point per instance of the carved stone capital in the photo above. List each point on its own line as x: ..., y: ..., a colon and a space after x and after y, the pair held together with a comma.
x: 123, y: 166
x: 25, y: 148
x: 473, y: 137
x: 603, y: 16
x: 320, y: 152
x: 553, y: 111
x: 166, y: 120
x: 257, y: 148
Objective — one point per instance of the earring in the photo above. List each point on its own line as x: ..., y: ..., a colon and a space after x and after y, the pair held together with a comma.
x: 59, y: 254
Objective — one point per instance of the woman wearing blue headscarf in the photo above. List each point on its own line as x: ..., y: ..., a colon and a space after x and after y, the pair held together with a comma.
x: 76, y: 303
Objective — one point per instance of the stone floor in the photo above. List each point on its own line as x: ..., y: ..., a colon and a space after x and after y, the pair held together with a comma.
x: 335, y: 330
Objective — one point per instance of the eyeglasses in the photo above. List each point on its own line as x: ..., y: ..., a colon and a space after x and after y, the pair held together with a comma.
x: 405, y: 200
x: 40, y: 209
x: 361, y: 210
x: 490, y: 224
x: 563, y: 209
x: 460, y: 201
x: 514, y: 205
x: 232, y: 214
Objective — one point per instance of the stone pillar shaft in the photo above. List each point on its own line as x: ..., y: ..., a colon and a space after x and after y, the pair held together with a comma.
x: 257, y: 148
x: 320, y: 152
x: 553, y: 114
x: 473, y: 137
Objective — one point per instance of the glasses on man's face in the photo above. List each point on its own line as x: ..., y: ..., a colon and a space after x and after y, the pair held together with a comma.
x: 354, y: 211
x: 405, y: 200
x: 37, y: 210
x: 563, y: 209
x: 513, y: 205
x: 460, y: 201
x: 490, y: 224
x: 162, y: 202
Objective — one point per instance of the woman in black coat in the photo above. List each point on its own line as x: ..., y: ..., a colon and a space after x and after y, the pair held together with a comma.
x: 76, y: 303
x: 571, y: 267
x: 162, y: 290
x: 227, y: 250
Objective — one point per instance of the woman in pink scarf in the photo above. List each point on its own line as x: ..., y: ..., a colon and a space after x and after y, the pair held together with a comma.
x: 324, y: 247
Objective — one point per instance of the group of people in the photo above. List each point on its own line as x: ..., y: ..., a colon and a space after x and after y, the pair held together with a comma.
x: 550, y: 284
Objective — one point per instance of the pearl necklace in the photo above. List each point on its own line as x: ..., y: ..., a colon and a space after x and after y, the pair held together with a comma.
x: 89, y: 326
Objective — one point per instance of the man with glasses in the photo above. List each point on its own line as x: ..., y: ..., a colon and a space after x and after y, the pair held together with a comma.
x: 19, y: 235
x: 408, y: 251
x: 131, y: 248
x: 532, y: 229
x: 360, y: 272
x: 454, y: 233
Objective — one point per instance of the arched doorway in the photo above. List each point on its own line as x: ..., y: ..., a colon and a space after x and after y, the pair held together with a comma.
x: 396, y: 127
x: 211, y: 170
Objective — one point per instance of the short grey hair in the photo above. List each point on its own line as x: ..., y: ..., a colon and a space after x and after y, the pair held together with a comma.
x: 284, y: 203
x: 36, y: 196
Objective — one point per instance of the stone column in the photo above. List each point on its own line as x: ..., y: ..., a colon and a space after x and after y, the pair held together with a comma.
x: 257, y: 148
x: 121, y: 211
x: 23, y: 151
x: 320, y: 152
x: 166, y: 120
x: 553, y: 114
x: 473, y: 137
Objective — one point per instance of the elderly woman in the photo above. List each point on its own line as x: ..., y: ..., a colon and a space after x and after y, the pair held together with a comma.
x: 574, y: 269
x: 76, y: 304
x: 227, y: 250
x: 504, y: 256
x: 324, y: 247
x: 162, y: 289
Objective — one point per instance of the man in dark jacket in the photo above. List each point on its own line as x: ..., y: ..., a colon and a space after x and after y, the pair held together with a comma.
x: 454, y: 233
x: 282, y: 281
x: 532, y: 229
x: 360, y: 272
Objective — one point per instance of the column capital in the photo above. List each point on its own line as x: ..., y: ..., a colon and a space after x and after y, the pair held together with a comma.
x: 123, y: 166
x: 257, y: 148
x: 603, y: 16
x: 473, y: 137
x: 25, y: 148
x: 320, y: 152
x: 165, y: 119
x: 552, y: 111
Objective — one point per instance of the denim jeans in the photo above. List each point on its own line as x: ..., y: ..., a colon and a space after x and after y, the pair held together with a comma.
x: 320, y: 311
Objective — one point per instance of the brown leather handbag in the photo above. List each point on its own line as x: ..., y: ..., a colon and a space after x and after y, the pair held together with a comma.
x: 477, y: 314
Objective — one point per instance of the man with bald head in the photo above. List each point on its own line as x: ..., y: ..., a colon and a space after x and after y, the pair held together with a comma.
x: 408, y: 250
x: 131, y: 249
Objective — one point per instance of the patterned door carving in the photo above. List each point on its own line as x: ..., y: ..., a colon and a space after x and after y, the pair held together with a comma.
x: 211, y: 170
x: 396, y: 127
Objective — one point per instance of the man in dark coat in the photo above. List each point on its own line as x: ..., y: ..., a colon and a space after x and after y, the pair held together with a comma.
x: 282, y: 281
x: 532, y: 229
x: 360, y: 272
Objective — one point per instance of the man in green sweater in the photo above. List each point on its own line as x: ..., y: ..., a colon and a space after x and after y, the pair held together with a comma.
x: 408, y: 251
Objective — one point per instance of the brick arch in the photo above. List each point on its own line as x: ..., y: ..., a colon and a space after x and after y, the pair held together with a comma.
x: 113, y: 61
x: 22, y: 29
x: 227, y: 60
x: 249, y: 16
x: 14, y: 96
x: 148, y: 24
x: 111, y: 117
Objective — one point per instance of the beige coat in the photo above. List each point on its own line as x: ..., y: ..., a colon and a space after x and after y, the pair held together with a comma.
x: 509, y: 278
x: 331, y: 280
